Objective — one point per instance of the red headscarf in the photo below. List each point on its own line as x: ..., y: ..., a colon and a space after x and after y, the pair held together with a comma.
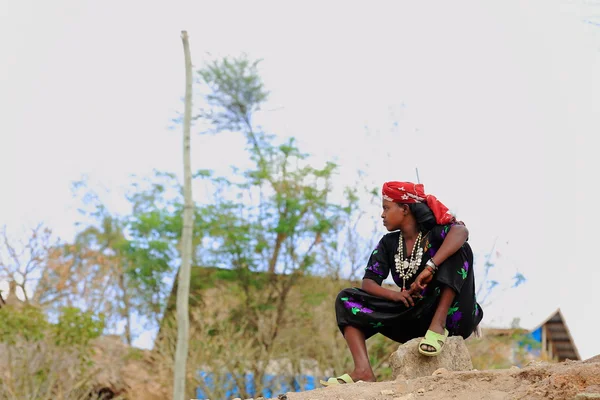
x: 407, y: 192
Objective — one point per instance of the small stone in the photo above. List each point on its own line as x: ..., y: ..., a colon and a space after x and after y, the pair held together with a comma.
x: 514, y: 367
x: 237, y: 398
x: 440, y: 371
x: 282, y: 397
x: 421, y: 392
x: 387, y: 392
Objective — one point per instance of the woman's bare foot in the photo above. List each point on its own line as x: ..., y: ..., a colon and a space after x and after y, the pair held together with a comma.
x: 438, y: 323
x: 357, y: 345
x: 362, y: 375
x: 437, y: 328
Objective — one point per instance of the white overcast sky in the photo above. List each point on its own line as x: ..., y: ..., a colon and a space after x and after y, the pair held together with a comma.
x: 496, y: 103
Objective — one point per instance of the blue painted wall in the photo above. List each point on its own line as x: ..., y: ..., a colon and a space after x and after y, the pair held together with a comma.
x: 537, y: 335
x: 526, y: 344
x: 274, y: 385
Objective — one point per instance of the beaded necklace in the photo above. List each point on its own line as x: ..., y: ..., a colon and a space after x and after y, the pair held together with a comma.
x: 407, y: 268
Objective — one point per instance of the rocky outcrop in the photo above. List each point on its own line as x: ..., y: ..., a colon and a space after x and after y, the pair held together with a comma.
x: 408, y: 363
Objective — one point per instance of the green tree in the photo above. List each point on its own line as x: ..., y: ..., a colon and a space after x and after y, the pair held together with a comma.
x: 266, y: 222
x: 112, y: 266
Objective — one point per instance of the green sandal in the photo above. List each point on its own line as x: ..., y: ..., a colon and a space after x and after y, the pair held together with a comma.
x: 434, y: 340
x: 334, y: 381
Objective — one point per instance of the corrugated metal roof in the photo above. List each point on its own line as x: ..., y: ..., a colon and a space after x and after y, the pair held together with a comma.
x: 560, y: 336
x: 557, y: 334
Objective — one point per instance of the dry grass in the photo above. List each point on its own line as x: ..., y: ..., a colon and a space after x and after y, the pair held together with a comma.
x: 43, y: 371
x: 308, y: 341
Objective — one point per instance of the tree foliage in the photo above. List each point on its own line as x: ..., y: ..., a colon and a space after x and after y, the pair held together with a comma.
x: 112, y: 265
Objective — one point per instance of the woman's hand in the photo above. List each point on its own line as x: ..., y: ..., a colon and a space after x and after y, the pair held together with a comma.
x: 422, y: 280
x: 406, y: 296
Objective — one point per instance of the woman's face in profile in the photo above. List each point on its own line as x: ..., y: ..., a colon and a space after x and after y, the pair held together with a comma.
x: 393, y: 214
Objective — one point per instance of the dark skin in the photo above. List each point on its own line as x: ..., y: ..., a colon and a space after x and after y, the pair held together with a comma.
x: 398, y: 217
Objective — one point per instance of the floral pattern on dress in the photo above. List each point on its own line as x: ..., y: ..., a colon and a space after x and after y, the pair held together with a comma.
x: 454, y: 316
x: 464, y: 270
x: 445, y: 231
x: 376, y: 268
x: 355, y: 306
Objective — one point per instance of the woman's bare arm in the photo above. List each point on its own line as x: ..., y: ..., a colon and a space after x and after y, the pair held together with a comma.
x: 456, y: 237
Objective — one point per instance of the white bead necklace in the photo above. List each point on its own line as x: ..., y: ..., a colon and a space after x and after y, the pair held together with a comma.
x: 407, y: 268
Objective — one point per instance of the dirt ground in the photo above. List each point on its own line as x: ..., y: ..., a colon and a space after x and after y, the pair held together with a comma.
x: 536, y: 381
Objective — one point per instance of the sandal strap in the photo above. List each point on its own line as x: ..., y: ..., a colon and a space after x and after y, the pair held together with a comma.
x: 346, y: 378
x: 433, y: 339
x: 431, y: 335
x: 336, y: 381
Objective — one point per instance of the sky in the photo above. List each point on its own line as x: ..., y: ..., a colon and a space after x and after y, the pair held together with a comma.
x: 496, y: 104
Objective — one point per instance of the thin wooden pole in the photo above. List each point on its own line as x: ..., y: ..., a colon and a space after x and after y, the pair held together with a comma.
x: 183, y: 284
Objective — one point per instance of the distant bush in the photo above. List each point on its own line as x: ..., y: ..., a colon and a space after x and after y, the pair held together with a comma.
x: 40, y: 360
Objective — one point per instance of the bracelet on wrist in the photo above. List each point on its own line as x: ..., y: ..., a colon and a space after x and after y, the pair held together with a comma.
x: 430, y: 264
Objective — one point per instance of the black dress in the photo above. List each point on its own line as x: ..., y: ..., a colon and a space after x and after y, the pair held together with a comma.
x: 373, y: 314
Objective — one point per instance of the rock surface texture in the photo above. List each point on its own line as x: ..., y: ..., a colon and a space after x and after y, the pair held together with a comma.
x: 408, y: 363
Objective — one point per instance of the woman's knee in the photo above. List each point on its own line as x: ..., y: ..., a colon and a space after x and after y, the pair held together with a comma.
x: 342, y: 294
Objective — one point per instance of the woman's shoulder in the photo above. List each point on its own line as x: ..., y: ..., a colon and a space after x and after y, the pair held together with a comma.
x: 440, y: 230
x: 444, y: 227
x: 391, y: 238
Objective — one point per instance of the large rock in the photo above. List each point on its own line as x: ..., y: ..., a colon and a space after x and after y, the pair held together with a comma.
x: 408, y: 363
